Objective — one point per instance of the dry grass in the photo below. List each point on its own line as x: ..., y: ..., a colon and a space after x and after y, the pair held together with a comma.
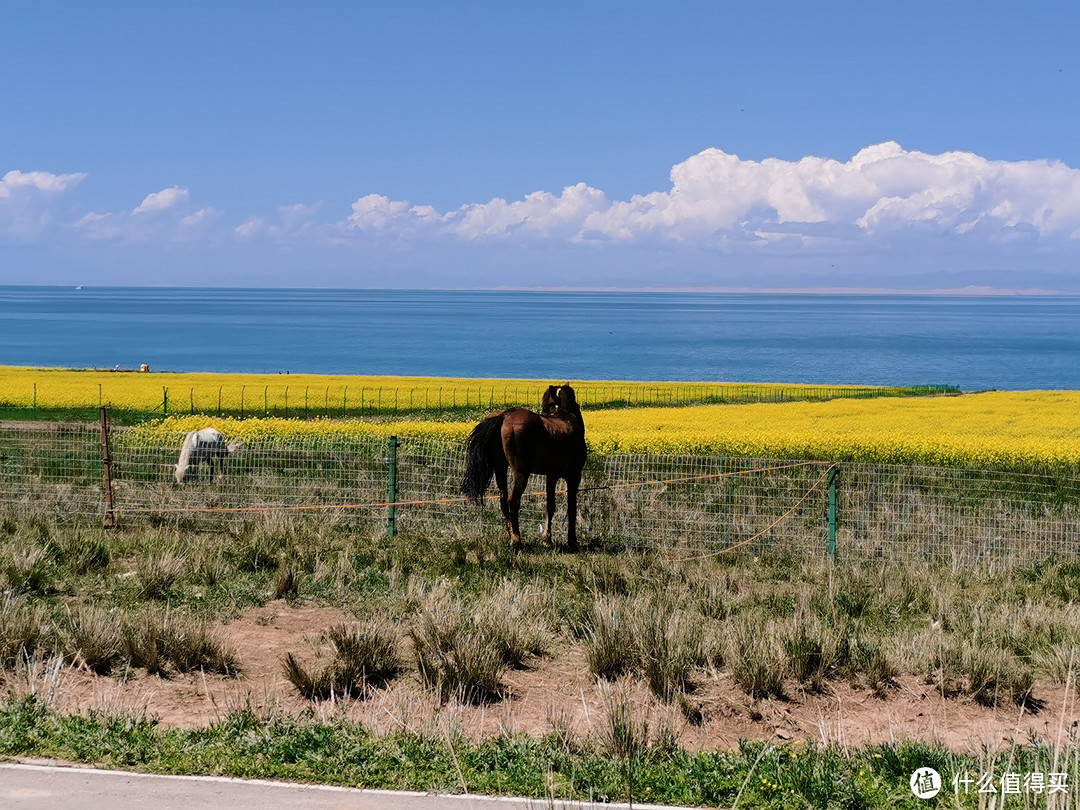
x: 158, y: 641
x: 364, y: 657
x: 609, y: 647
x: 93, y: 639
x: 27, y: 567
x: 755, y: 658
x: 24, y: 630
x: 518, y: 621
x: 812, y: 653
x: 455, y: 657
x: 158, y: 573
x: 777, y: 623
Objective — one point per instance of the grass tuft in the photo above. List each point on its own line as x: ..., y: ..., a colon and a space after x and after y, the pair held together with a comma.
x: 365, y: 657
x: 24, y: 630
x: 27, y: 568
x: 155, y: 642
x: 454, y: 656
x: 609, y: 647
x: 157, y: 574
x: 93, y: 639
x: 756, y: 660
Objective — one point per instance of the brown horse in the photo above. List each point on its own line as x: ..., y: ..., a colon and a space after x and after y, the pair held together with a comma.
x: 551, y: 443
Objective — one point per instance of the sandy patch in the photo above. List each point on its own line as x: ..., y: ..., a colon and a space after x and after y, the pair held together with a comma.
x: 555, y: 694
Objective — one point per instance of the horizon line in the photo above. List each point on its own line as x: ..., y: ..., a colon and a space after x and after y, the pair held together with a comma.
x: 971, y: 290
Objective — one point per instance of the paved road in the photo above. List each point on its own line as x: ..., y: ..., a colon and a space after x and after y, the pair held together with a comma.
x: 50, y: 787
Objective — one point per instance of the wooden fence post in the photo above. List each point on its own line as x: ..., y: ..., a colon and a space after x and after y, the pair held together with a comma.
x: 110, y: 514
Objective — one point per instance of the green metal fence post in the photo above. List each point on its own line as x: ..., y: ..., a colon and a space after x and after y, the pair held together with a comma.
x: 391, y: 493
x: 833, y: 473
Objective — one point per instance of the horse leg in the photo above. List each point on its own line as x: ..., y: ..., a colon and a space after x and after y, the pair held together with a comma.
x: 500, y: 480
x: 521, y: 480
x: 573, y: 481
x: 545, y: 531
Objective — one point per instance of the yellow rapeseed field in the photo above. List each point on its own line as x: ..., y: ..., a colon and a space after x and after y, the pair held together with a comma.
x: 342, y: 395
x: 331, y: 395
x: 278, y: 429
x: 994, y: 430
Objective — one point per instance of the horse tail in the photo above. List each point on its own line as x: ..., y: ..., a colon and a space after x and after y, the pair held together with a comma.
x: 478, y: 466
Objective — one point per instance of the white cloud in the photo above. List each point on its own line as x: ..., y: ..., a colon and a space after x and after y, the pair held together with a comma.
x: 162, y: 217
x: 162, y: 200
x: 27, y: 203
x: 98, y: 226
x: 375, y: 213
x: 250, y: 227
x: 292, y: 222
x: 540, y: 213
x: 718, y: 198
x: 198, y: 217
x: 16, y: 182
x: 958, y: 206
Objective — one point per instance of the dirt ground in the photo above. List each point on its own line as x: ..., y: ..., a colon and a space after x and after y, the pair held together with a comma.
x: 556, y: 694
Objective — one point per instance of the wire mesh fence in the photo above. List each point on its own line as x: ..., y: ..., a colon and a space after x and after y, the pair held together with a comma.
x: 306, y: 397
x: 898, y: 513
x: 685, y: 505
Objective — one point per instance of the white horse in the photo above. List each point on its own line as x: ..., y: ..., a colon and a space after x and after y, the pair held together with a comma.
x: 204, y: 446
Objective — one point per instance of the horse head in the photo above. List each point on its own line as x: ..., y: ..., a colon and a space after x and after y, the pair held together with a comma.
x: 550, y: 401
x: 566, y: 399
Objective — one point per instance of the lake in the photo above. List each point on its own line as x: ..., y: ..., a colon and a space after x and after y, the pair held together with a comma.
x: 1007, y: 342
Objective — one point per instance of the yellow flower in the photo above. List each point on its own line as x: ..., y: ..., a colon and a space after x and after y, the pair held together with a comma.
x: 994, y: 429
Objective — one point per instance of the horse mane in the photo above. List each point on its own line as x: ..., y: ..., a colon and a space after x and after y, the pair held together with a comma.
x: 559, y: 401
x: 550, y: 401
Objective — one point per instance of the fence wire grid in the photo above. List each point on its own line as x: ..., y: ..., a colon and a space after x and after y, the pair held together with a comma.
x: 689, y: 505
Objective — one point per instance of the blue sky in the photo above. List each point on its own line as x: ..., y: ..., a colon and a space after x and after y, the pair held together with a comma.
x: 754, y: 145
